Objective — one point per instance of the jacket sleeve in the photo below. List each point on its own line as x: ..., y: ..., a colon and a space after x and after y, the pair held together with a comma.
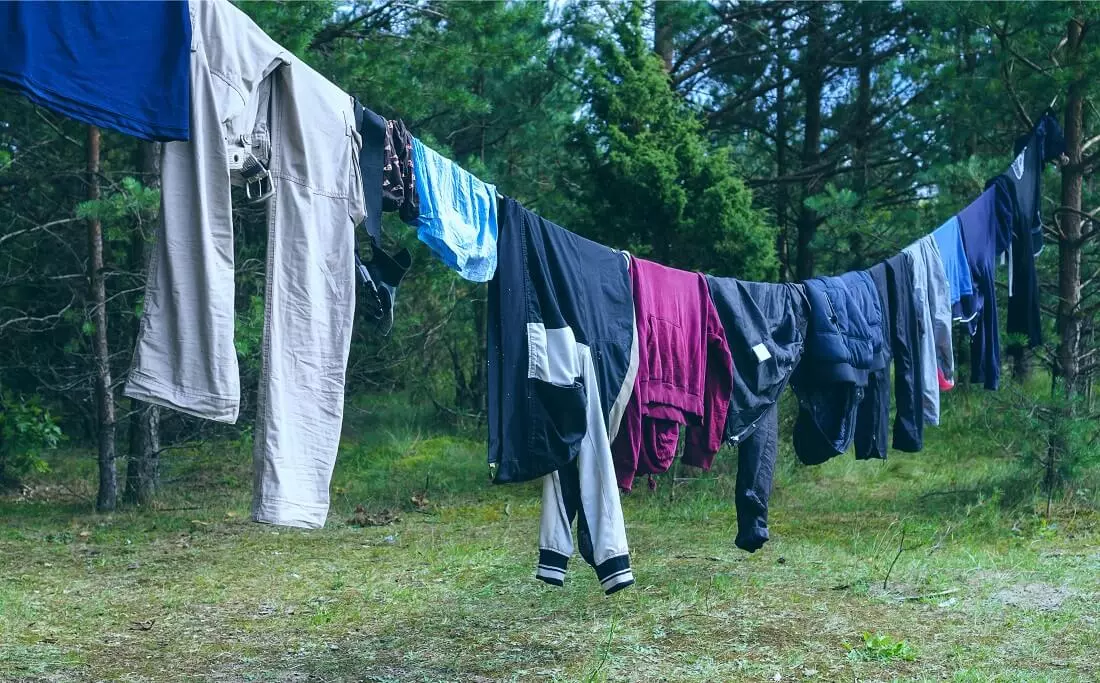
x: 626, y: 446
x: 917, y: 257
x: 985, y: 344
x: 555, y: 524
x: 909, y: 416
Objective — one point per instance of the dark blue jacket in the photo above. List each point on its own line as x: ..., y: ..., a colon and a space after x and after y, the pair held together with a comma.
x: 556, y: 279
x: 844, y: 339
x: 560, y: 357
x: 905, y: 328
x: 872, y: 435
x: 845, y: 345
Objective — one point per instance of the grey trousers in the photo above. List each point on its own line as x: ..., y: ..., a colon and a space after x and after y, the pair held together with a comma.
x: 247, y: 93
x: 934, y: 309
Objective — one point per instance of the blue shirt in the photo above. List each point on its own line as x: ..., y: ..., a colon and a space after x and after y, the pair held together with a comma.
x: 981, y: 225
x: 118, y: 65
x: 959, y: 282
x: 458, y: 214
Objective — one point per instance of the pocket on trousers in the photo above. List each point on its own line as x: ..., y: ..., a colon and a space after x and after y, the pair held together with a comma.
x: 558, y: 423
x: 763, y: 375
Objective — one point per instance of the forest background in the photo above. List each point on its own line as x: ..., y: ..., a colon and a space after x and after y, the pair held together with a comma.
x: 769, y: 141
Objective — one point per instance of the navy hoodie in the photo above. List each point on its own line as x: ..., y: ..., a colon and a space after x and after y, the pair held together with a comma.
x: 984, y: 224
x: 1022, y: 183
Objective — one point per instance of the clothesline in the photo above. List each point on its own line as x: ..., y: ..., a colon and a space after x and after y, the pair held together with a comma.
x: 598, y: 405
x: 596, y: 358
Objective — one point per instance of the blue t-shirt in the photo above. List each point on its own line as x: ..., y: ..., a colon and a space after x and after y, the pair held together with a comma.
x: 119, y: 65
x: 956, y: 267
x: 458, y: 214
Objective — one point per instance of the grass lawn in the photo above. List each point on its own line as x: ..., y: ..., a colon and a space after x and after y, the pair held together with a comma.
x: 443, y: 590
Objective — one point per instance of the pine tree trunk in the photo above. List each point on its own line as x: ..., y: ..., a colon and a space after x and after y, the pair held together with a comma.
x: 812, y: 79
x: 662, y: 35
x: 107, y: 498
x: 862, y: 130
x: 143, y: 465
x: 479, y: 381
x: 968, y: 68
x: 782, y: 199
x: 862, y: 122
x: 1069, y: 266
x: 1021, y: 368
x: 1069, y: 243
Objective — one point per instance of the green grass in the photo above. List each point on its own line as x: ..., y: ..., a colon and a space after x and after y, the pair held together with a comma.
x: 984, y: 589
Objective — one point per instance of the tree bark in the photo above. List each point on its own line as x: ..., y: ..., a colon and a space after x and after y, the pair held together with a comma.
x: 479, y: 382
x: 107, y: 498
x: 970, y: 66
x: 862, y: 127
x: 1021, y: 368
x: 782, y: 199
x: 862, y: 131
x: 1070, y: 243
x: 662, y: 35
x: 812, y: 80
x: 143, y: 465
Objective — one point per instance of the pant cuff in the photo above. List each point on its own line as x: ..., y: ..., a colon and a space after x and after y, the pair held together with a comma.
x: 209, y: 407
x: 752, y: 539
x: 615, y: 574
x: 282, y: 512
x: 551, y: 567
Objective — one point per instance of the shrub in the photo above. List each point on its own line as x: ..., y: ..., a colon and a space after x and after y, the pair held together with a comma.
x: 26, y: 430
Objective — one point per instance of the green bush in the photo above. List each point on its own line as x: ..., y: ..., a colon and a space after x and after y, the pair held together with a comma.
x: 26, y: 429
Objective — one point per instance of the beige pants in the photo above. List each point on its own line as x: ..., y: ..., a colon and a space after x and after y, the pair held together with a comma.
x: 244, y: 86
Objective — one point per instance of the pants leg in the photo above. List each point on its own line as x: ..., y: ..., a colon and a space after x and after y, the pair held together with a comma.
x: 873, y: 418
x: 755, y: 471
x: 310, y: 298
x: 185, y: 357
x: 555, y: 535
x: 586, y: 490
x: 602, y: 526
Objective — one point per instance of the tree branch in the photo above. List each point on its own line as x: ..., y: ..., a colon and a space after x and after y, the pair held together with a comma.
x: 51, y: 318
x: 1016, y: 103
x: 44, y: 226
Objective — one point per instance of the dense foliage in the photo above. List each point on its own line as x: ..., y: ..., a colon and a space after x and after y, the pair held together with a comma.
x: 757, y: 140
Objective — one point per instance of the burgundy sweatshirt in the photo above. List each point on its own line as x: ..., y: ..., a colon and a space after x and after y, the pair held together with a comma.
x: 685, y: 374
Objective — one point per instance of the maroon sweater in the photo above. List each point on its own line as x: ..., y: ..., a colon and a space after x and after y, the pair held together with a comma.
x: 685, y: 374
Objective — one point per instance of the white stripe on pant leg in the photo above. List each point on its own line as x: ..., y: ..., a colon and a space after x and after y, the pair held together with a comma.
x: 599, y: 489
